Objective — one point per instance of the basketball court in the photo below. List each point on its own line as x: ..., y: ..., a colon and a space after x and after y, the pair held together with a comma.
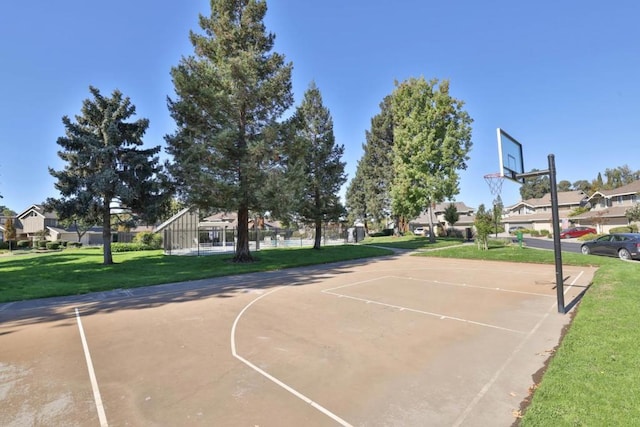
x: 400, y: 340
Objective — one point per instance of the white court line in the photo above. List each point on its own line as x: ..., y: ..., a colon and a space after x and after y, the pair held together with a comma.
x: 271, y: 377
x: 428, y: 313
x: 483, y: 391
x: 489, y: 288
x: 92, y: 376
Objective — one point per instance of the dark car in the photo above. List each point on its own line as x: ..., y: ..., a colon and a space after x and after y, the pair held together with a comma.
x: 577, y: 232
x: 622, y: 245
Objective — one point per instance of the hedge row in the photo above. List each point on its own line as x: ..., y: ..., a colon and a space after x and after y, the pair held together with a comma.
x: 130, y: 247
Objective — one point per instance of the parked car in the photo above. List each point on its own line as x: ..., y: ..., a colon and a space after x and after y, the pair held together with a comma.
x: 577, y: 232
x: 623, y: 245
x: 513, y: 230
x: 421, y: 231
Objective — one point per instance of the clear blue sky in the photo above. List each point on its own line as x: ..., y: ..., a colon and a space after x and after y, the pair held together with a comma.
x: 561, y: 77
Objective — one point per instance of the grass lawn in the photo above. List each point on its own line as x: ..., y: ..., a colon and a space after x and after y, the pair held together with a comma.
x: 79, y: 271
x: 411, y: 242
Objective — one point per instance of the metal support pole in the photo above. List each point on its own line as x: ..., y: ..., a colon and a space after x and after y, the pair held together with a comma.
x: 557, y: 247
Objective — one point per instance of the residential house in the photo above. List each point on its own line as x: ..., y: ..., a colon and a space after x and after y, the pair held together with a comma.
x: 608, y: 207
x: 465, y: 220
x: 536, y: 214
x: 34, y: 221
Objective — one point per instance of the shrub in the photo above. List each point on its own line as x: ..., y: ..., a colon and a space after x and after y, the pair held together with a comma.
x: 535, y: 233
x: 384, y: 233
x: 4, y: 245
x: 74, y: 244
x: 23, y: 244
x: 41, y: 244
x: 129, y: 247
x: 632, y: 228
x: 53, y: 245
x: 454, y: 232
x: 147, y: 238
x: 544, y: 232
x: 588, y: 237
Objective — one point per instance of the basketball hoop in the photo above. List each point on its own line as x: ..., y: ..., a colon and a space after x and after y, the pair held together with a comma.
x: 494, y: 181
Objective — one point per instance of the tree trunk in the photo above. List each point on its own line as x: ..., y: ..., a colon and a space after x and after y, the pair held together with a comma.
x: 242, y: 246
x: 432, y: 232
x: 318, y: 240
x: 106, y: 234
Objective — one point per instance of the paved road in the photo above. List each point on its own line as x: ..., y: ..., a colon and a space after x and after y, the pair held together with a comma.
x: 569, y: 245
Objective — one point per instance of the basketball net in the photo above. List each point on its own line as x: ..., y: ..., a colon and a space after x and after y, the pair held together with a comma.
x: 494, y: 181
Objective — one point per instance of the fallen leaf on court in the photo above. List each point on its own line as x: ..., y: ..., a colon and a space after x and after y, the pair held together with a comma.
x: 512, y: 394
x: 517, y: 413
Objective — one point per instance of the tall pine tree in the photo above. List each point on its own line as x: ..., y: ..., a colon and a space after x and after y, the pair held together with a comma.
x: 315, y: 147
x: 378, y: 161
x: 229, y: 96
x: 105, y: 166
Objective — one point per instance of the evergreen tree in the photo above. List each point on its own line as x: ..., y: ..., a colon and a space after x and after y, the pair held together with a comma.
x: 229, y: 96
x: 451, y: 214
x: 315, y: 147
x: 431, y: 141
x: 377, y: 166
x: 355, y: 198
x: 598, y: 184
x: 104, y: 166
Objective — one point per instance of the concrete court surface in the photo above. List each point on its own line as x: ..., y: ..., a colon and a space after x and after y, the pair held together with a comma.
x: 393, y: 341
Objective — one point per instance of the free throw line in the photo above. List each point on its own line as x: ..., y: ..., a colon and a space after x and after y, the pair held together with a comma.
x: 92, y: 376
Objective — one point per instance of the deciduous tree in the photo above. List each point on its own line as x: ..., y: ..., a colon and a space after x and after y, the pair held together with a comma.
x: 535, y: 187
x: 564, y: 185
x: 483, y: 224
x: 229, y: 95
x: 9, y: 231
x: 431, y: 142
x: 105, y: 166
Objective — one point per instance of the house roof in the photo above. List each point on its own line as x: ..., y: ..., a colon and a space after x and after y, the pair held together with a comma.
x: 38, y: 209
x: 610, y: 212
x: 172, y: 219
x: 423, y: 218
x: 632, y: 188
x: 564, y: 198
x: 460, y: 207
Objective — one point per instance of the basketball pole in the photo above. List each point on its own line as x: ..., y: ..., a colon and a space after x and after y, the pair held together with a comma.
x: 555, y: 218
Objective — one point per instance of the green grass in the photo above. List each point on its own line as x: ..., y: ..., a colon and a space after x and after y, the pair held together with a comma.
x: 411, y: 242
x: 79, y: 271
x: 500, y: 251
x: 593, y: 379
